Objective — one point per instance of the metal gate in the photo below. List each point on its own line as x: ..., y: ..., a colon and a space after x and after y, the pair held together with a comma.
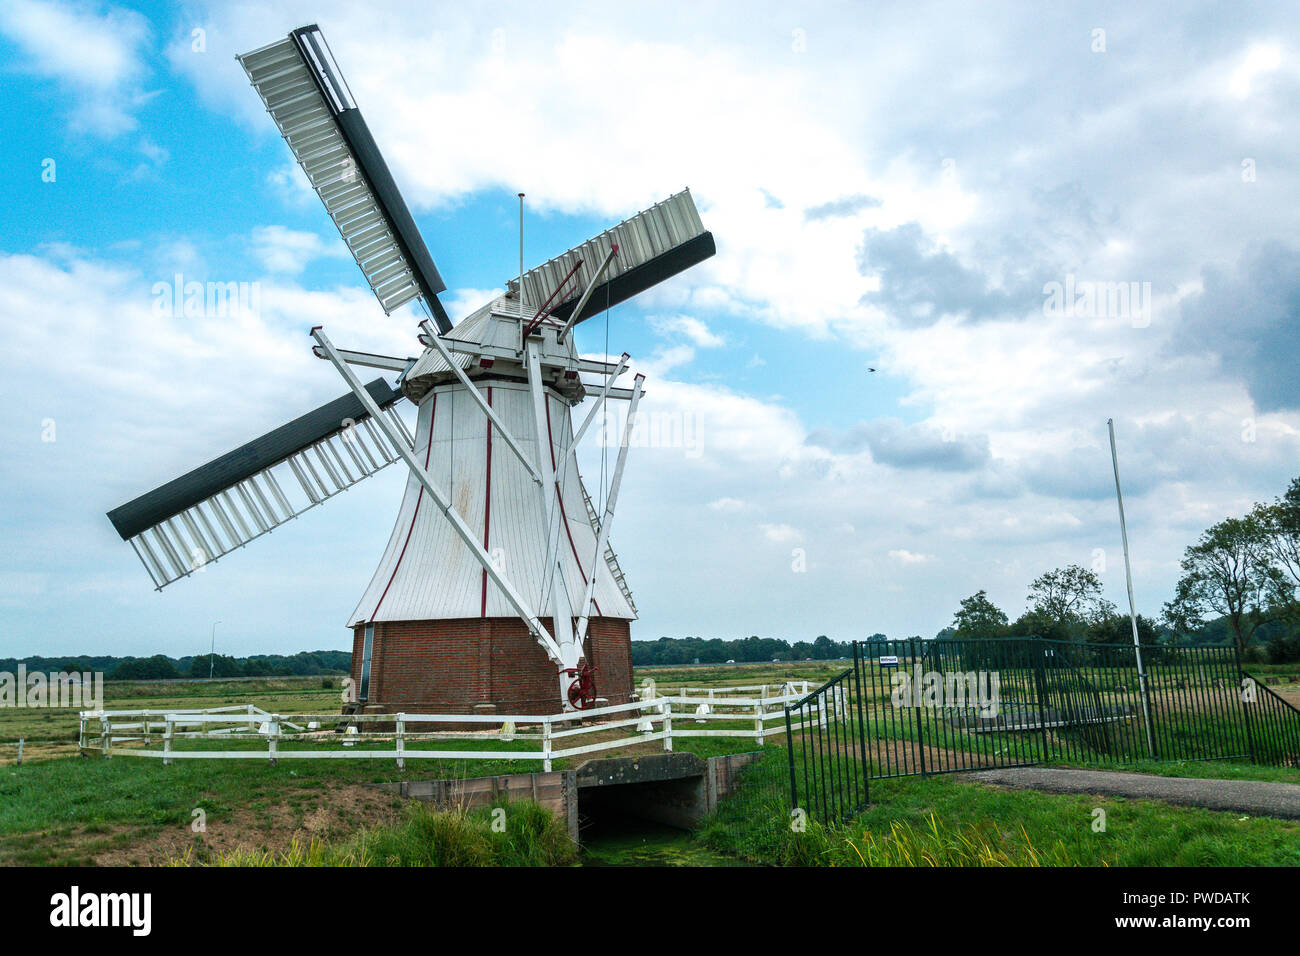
x: 945, y: 706
x: 918, y: 707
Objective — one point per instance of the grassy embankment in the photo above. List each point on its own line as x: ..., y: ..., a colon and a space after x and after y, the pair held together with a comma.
x: 943, y: 821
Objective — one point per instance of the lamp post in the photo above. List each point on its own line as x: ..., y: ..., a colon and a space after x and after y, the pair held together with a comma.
x: 212, y: 650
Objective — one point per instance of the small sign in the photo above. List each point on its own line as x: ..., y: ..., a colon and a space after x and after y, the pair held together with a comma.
x: 889, y: 661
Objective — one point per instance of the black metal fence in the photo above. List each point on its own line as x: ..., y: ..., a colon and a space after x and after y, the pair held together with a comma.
x: 1273, y: 726
x: 828, y: 727
x: 929, y: 707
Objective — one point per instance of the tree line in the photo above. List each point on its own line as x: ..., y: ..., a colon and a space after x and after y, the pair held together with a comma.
x: 1239, y: 583
x: 162, y: 667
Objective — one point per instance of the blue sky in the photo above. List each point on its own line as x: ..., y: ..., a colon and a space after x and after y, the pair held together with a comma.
x: 894, y: 188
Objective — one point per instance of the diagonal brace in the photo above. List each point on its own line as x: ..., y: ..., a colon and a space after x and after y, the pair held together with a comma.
x: 602, y: 540
x: 463, y: 530
x: 591, y: 287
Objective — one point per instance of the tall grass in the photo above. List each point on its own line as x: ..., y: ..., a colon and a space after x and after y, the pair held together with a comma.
x: 947, y: 821
x: 514, y: 834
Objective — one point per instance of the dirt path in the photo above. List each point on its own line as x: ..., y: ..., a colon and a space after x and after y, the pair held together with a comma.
x: 1255, y: 797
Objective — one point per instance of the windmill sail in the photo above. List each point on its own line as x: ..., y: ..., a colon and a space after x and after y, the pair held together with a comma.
x: 307, y: 97
x: 653, y: 245
x: 195, y: 519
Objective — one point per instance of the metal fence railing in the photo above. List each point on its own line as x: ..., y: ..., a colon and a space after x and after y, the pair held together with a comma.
x: 917, y: 707
x: 1273, y: 725
x: 826, y: 728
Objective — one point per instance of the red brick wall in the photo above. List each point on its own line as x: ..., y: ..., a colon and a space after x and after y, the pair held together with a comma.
x: 451, y: 666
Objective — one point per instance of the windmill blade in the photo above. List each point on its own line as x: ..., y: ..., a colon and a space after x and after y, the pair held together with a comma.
x: 652, y: 246
x: 305, y: 93
x: 195, y: 519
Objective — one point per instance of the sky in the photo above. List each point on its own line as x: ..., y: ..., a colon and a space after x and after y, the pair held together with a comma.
x: 1027, y: 218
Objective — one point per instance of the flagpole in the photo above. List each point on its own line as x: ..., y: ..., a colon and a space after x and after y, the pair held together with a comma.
x: 1132, y: 608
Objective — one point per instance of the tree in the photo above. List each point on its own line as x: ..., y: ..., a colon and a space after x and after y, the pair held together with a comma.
x: 978, y: 617
x: 1229, y: 573
x: 222, y: 666
x: 1118, y: 629
x: 157, y: 667
x: 1065, y: 602
x: 1281, y: 525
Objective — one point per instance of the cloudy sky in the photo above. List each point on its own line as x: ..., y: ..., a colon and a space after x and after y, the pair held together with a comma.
x: 923, y: 189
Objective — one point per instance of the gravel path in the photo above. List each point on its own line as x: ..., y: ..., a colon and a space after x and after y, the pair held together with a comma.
x: 1254, y: 797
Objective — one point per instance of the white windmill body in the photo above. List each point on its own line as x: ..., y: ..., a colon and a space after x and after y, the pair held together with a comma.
x: 498, y: 589
x: 427, y: 575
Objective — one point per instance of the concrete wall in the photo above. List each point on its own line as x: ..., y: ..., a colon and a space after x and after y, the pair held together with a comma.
x: 678, y: 789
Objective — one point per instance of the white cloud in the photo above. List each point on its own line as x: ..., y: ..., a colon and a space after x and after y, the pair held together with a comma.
x: 96, y: 54
x: 689, y: 327
x: 903, y: 556
x: 288, y: 251
x: 780, y: 533
x: 1260, y: 60
x: 728, y: 505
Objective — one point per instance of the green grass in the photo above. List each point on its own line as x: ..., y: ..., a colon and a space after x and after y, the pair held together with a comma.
x: 942, y: 821
x: 516, y: 834
x: 1203, y: 769
x: 54, y: 809
x: 69, y: 809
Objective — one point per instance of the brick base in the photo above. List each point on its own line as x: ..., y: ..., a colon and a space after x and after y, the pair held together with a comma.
x: 481, y: 665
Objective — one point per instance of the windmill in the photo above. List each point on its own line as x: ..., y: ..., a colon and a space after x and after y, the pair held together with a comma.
x: 498, y: 589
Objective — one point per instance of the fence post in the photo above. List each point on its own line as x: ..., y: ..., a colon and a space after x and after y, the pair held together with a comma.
x: 916, y: 708
x: 668, y: 725
x: 758, y: 723
x: 168, y: 729
x: 106, y: 733
x: 401, y: 741
x: 858, y: 684
x: 1245, y: 707
x: 20, y: 751
x: 1040, y: 679
x: 273, y: 732
x: 81, y: 731
x: 546, y: 743
x: 789, y: 749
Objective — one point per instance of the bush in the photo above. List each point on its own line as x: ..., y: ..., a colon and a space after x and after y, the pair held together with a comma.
x: 157, y: 667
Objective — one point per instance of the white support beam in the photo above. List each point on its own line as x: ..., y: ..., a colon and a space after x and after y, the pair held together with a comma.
x: 586, y: 293
x: 621, y: 394
x: 602, y: 540
x: 389, y: 363
x: 463, y: 530
x: 509, y: 354
x: 561, y: 607
x: 475, y: 394
x: 600, y: 400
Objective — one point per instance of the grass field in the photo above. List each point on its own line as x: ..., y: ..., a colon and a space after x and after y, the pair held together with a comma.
x: 945, y: 821
x: 62, y: 809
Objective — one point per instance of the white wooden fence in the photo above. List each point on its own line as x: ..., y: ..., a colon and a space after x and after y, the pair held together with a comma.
x: 245, y: 732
